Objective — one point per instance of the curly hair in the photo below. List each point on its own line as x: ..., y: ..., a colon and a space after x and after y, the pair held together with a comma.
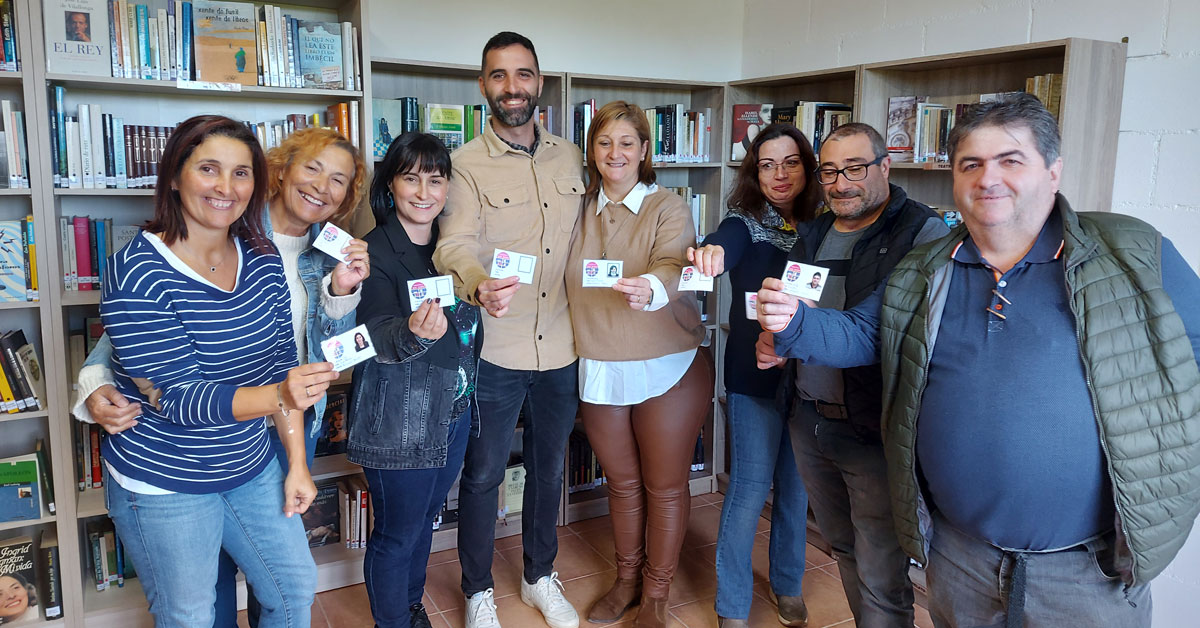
x: 306, y: 144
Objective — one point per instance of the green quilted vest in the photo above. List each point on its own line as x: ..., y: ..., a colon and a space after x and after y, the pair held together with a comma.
x: 1141, y: 370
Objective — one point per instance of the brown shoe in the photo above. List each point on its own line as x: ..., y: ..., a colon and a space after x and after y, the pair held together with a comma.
x: 652, y: 614
x: 792, y: 611
x: 623, y: 595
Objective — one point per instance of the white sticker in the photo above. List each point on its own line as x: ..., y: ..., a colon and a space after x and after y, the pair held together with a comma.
x: 752, y: 306
x: 349, y: 348
x: 602, y: 273
x: 804, y: 280
x: 431, y: 288
x: 509, y: 263
x: 690, y: 278
x: 331, y: 74
x: 332, y: 240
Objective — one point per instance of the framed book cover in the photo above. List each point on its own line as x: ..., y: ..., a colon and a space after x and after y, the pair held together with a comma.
x: 225, y: 41
x: 20, y: 497
x: 18, y: 582
x: 320, y: 54
x: 77, y: 37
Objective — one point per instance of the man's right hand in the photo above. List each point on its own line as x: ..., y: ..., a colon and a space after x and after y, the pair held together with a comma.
x: 775, y: 307
x: 764, y: 351
x: 494, y: 294
x: 111, y: 410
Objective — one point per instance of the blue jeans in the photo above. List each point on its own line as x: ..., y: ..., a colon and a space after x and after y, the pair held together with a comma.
x: 406, y: 502
x: 174, y: 542
x: 759, y: 450
x: 550, y: 399
x: 970, y: 582
x: 846, y: 477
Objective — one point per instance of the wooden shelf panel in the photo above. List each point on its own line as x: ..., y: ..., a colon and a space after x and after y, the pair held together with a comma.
x: 17, y: 416
x: 702, y: 164
x: 89, y: 503
x: 435, y: 68
x: 19, y: 305
x: 16, y: 192
x: 335, y: 466
x: 80, y: 297
x: 11, y: 77
x: 12, y: 525
x: 141, y: 86
x: 103, y: 192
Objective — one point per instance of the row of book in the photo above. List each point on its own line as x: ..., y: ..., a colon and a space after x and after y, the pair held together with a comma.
x: 84, y: 245
x: 34, y: 564
x: 14, y: 156
x: 27, y: 486
x: 918, y: 130
x: 455, y: 125
x: 1048, y: 89
x: 677, y: 134
x: 814, y: 118
x: 9, y: 60
x: 22, y: 383
x: 106, y: 555
x: 583, y: 468
x: 698, y: 202
x: 203, y: 40
x: 342, y: 117
x: 18, y: 260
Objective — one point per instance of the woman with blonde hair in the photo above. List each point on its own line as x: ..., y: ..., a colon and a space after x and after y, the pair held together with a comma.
x: 644, y: 388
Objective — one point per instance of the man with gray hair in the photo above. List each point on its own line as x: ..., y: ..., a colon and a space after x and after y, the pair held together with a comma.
x: 1041, y: 406
x: 871, y: 224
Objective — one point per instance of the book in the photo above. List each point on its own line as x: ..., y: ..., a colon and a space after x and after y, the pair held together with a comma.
x: 31, y: 366
x: 17, y: 563
x: 20, y: 494
x: 10, y: 342
x: 902, y: 127
x: 747, y: 120
x: 48, y: 574
x: 225, y: 41
x: 77, y: 38
x: 321, y: 518
x: 332, y: 439
x: 445, y: 122
x: 12, y: 261
x: 46, y: 474
x: 8, y: 51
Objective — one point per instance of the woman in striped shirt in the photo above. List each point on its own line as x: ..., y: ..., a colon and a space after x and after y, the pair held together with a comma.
x: 198, y: 311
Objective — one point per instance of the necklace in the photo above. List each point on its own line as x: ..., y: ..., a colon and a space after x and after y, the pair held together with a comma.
x: 213, y: 268
x: 607, y: 239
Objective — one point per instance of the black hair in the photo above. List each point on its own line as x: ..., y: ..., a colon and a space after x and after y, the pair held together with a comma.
x: 505, y: 39
x: 1014, y: 110
x: 421, y: 152
x: 878, y: 146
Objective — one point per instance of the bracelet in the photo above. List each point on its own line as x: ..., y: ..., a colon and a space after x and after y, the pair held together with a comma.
x: 287, y: 414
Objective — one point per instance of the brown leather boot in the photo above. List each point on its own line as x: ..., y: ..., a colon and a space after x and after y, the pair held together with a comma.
x: 652, y: 614
x: 623, y: 595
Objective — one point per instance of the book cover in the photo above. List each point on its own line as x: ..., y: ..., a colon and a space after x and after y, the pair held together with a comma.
x: 387, y: 123
x: 20, y: 494
x: 320, y: 54
x: 747, y: 121
x: 77, y: 39
x: 27, y: 359
x: 445, y: 122
x: 902, y: 127
x: 49, y: 578
x: 321, y: 518
x: 32, y: 292
x: 19, y: 582
x: 12, y: 261
x: 332, y: 439
x: 14, y: 370
x: 225, y: 42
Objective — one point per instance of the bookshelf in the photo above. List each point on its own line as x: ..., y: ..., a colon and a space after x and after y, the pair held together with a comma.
x: 1093, y: 78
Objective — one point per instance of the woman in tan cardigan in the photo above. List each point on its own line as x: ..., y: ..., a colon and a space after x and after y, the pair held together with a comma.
x: 644, y: 387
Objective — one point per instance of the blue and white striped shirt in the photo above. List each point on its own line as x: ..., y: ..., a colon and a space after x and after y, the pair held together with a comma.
x: 196, y: 344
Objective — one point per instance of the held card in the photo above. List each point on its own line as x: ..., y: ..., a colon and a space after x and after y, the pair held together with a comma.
x: 602, y: 273
x: 692, y: 279
x: 349, y: 348
x: 804, y: 280
x: 431, y: 288
x: 332, y: 240
x: 510, y: 263
x: 752, y: 306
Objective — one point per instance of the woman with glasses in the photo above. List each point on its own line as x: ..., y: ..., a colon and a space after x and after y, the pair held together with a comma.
x: 773, y: 193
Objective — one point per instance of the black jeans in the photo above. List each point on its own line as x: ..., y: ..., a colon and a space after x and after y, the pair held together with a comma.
x: 550, y: 399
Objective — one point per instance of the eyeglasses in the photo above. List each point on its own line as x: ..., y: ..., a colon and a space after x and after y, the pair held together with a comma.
x: 856, y: 172
x: 789, y: 166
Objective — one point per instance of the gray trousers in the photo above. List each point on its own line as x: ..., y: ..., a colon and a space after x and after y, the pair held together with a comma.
x: 970, y: 584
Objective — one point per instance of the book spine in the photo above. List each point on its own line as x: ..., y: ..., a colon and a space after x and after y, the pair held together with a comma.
x: 51, y: 599
x: 143, y: 32
x: 164, y: 47
x: 10, y: 155
x: 292, y: 49
x: 74, y: 166
x: 85, y: 146
x: 101, y: 250
x: 187, y: 54
x: 82, y: 260
x: 55, y: 146
x: 114, y: 38
x: 263, y: 59
x: 83, y: 450
x: 65, y: 233
x: 31, y: 254
x: 118, y: 134
x: 110, y: 158
x: 172, y: 41
x: 155, y: 56
x: 22, y: 147
x: 8, y: 399
x: 25, y: 255
x: 347, y: 57
x: 94, y: 439
x: 96, y: 126
x: 97, y: 559
x: 271, y: 69
x: 10, y: 42
x: 95, y: 276
x: 354, y: 50
x: 16, y: 380
x: 122, y: 25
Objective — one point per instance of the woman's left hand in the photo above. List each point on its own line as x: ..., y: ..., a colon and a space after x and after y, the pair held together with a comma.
x: 637, y: 291
x: 298, y: 491
x: 348, y: 274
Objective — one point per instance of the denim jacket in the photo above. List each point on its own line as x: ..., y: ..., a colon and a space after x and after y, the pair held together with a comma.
x: 314, y: 265
x: 403, y: 404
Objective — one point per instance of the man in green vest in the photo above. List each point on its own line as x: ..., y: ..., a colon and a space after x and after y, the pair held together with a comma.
x: 1041, y: 396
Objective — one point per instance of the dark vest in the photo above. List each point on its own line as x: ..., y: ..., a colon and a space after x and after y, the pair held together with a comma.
x: 884, y: 243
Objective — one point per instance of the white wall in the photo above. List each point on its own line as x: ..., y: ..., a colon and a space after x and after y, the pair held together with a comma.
x: 1158, y: 156
x: 697, y: 40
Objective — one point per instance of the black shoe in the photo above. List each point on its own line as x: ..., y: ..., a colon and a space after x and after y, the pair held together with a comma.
x: 418, y: 617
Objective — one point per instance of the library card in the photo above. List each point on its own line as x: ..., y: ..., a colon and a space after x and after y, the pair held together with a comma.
x: 601, y: 273
x: 509, y: 263
x: 349, y: 348
x: 752, y: 306
x: 804, y: 280
x: 332, y: 240
x: 692, y: 279
x: 431, y: 288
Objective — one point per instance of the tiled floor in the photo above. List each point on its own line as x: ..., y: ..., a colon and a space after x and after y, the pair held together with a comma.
x: 586, y: 569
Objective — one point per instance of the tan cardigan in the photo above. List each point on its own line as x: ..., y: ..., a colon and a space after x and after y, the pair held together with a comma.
x: 655, y: 241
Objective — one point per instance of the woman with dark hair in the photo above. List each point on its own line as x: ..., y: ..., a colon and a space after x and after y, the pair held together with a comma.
x: 18, y: 600
x: 774, y: 193
x: 198, y: 312
x: 412, y: 408
x: 313, y: 177
x: 644, y: 388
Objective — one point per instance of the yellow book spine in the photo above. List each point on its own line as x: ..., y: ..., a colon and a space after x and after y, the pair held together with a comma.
x: 9, y: 404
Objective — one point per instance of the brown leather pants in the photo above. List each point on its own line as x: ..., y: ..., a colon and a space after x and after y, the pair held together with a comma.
x: 646, y: 452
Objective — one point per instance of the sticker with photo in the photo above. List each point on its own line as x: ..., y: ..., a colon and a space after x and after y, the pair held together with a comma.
x: 804, y: 280
x: 510, y: 263
x: 602, y: 273
x: 349, y: 348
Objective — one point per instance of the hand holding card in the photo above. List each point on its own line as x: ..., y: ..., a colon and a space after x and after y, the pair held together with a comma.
x: 690, y: 278
x: 432, y: 288
x: 428, y: 321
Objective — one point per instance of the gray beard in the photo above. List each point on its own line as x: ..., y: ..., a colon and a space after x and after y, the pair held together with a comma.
x: 514, y: 118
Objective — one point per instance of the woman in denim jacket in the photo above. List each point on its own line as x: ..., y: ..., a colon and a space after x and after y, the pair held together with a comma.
x: 411, y: 413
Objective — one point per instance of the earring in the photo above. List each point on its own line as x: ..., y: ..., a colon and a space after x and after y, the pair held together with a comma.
x: 391, y: 200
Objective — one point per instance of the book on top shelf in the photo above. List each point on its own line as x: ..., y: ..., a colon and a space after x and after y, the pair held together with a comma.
x: 902, y: 127
x: 320, y: 54
x: 77, y: 37
x: 19, y: 582
x: 391, y: 118
x: 8, y: 31
x: 748, y: 120
x: 446, y: 123
x: 225, y: 41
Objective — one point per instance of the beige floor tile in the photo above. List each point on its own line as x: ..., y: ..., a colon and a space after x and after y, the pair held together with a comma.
x: 815, y: 557
x: 695, y: 579
x: 443, y: 586
x: 703, y: 524
x: 444, y: 556
x: 347, y: 607
x: 576, y: 558
x: 695, y: 614
x: 825, y: 599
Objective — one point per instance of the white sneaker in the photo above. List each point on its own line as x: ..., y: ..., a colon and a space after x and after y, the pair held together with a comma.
x: 481, y: 610
x: 546, y: 596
